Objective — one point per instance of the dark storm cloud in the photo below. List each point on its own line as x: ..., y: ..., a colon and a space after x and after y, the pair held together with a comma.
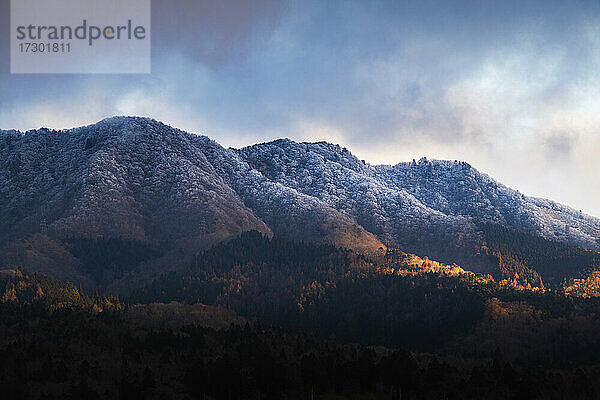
x: 559, y: 146
x: 210, y: 31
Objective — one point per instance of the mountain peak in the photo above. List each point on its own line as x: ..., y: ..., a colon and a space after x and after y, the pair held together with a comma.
x: 317, y: 154
x: 123, y: 122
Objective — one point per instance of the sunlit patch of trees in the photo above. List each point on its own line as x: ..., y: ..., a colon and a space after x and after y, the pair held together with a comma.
x: 22, y: 287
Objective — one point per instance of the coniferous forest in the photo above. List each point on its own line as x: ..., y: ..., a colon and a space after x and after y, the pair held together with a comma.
x: 262, y: 317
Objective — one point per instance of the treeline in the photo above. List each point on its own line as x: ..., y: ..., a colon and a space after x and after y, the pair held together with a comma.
x: 57, y: 343
x: 536, y: 258
x: 107, y: 259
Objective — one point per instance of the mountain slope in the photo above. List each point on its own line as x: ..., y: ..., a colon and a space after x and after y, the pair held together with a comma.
x: 139, y: 180
x: 288, y: 212
x: 146, y: 184
x: 106, y: 179
x: 434, y: 208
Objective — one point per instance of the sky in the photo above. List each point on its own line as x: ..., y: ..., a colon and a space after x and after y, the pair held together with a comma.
x: 512, y: 87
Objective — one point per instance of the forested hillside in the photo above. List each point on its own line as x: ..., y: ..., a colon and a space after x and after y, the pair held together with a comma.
x: 393, y: 299
x: 73, y: 352
x: 534, y: 258
x: 34, y: 289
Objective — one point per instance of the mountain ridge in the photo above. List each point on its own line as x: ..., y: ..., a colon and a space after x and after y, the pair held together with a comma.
x: 389, y: 174
x: 138, y: 179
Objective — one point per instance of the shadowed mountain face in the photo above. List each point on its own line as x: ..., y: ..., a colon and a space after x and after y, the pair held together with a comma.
x: 154, y: 187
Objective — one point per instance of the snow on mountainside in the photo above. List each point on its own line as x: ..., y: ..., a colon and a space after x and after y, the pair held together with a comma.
x: 427, y: 207
x: 333, y: 175
x: 138, y: 179
x: 286, y: 211
x: 130, y: 178
x: 127, y: 178
x: 455, y: 188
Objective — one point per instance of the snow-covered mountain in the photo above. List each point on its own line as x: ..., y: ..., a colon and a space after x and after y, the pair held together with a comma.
x: 136, y: 178
x: 429, y: 207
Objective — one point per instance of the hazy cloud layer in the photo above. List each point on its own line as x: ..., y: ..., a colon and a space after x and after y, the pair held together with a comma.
x: 512, y: 88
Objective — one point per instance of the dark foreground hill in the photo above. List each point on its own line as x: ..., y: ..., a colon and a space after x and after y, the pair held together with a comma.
x: 59, y: 343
